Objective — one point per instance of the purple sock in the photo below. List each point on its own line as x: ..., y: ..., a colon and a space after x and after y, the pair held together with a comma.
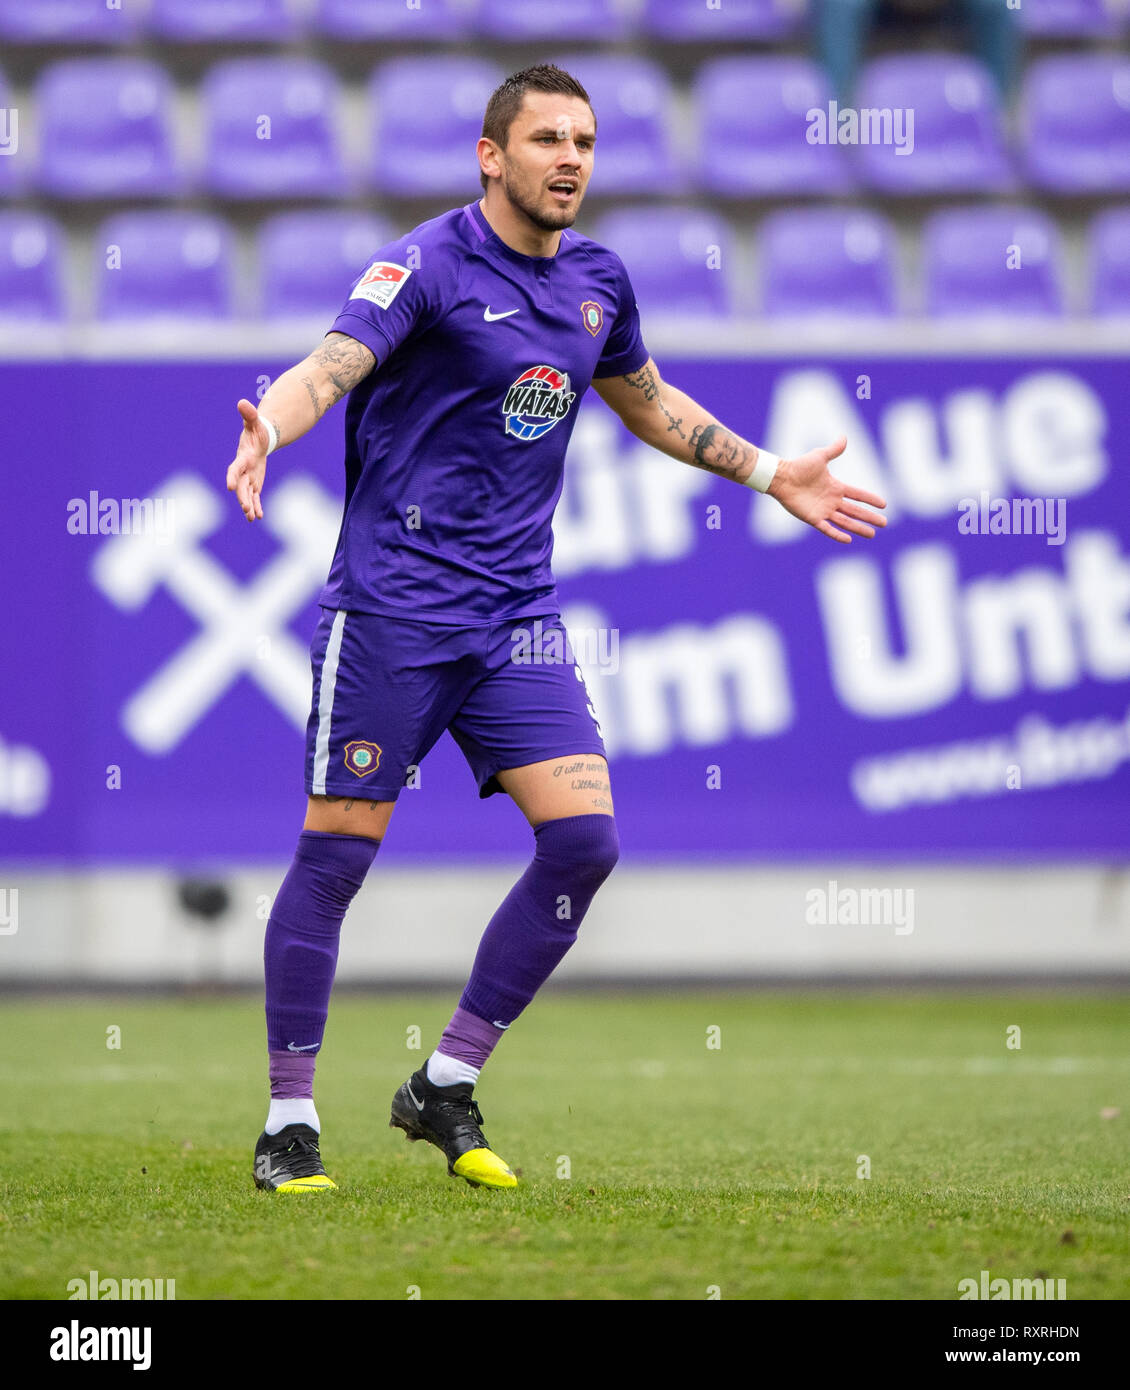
x: 300, y: 950
x: 537, y: 922
x: 469, y: 1038
x: 292, y: 1075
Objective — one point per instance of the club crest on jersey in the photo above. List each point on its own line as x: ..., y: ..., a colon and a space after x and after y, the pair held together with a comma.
x: 536, y: 401
x: 593, y: 316
x: 381, y: 283
x: 361, y: 758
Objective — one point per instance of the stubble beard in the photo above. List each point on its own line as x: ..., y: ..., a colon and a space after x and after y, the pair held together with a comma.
x: 555, y: 220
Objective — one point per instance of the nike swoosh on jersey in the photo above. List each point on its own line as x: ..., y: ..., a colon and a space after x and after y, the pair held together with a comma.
x: 490, y: 318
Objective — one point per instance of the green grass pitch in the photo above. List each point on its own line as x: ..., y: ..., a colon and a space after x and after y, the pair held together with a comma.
x: 654, y: 1165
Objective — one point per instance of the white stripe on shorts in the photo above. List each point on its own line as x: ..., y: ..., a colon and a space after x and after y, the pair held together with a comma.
x: 326, y: 703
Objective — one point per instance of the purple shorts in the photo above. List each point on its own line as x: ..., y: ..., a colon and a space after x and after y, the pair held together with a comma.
x: 386, y: 688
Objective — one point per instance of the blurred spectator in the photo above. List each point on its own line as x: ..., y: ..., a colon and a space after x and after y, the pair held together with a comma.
x: 842, y: 27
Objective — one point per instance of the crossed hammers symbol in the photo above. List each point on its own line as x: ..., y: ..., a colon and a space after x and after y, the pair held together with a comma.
x: 234, y: 618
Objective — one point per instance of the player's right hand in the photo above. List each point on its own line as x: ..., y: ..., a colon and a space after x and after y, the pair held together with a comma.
x: 249, y: 467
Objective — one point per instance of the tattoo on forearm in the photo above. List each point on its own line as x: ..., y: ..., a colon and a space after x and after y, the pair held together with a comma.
x: 312, y: 392
x: 346, y: 360
x: 718, y: 451
x: 644, y: 380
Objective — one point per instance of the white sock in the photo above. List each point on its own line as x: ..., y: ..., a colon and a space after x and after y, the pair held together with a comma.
x: 291, y: 1112
x: 450, y: 1071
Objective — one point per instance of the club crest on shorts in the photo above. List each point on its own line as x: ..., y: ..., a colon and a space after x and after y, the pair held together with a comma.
x: 536, y: 401
x: 593, y: 316
x: 361, y: 758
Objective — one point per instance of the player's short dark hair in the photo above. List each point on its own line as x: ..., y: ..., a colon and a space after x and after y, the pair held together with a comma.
x: 506, y: 100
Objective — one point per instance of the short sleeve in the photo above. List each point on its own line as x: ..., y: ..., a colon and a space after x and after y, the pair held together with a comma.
x: 624, y: 350
x: 387, y: 301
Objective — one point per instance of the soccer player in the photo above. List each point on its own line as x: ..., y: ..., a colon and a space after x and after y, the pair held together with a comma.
x: 464, y: 348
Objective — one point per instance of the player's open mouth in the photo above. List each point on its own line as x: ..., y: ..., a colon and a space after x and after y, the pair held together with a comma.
x: 563, y: 190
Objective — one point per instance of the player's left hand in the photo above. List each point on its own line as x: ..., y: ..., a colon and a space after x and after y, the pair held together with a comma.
x: 804, y: 487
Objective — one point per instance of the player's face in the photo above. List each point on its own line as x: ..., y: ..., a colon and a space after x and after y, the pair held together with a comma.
x: 548, y: 159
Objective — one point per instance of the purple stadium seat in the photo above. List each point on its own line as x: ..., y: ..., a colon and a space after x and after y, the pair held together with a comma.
x: 1075, y: 114
x: 434, y: 20
x: 105, y: 129
x: 827, y: 261
x: 688, y: 20
x: 754, y: 124
x: 1068, y: 19
x: 632, y: 99
x: 967, y: 254
x: 516, y: 20
x: 173, y: 265
x: 204, y: 21
x: 31, y: 248
x: 427, y: 114
x: 308, y: 260
x: 1110, y: 263
x: 957, y: 144
x: 296, y: 155
x: 679, y: 259
x: 66, y: 21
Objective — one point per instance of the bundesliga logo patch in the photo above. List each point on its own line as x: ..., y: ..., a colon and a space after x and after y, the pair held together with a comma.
x: 381, y: 283
x: 361, y: 758
x: 536, y: 401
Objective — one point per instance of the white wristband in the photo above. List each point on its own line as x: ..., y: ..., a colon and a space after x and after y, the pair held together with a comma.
x: 272, y: 433
x: 765, y: 471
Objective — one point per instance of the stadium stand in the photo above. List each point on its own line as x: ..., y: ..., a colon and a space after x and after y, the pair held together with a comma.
x: 105, y: 127
x: 706, y: 135
x: 1110, y: 263
x: 668, y: 254
x: 174, y: 265
x: 209, y: 21
x: 819, y: 261
x: 31, y: 288
x: 308, y: 259
x: 750, y: 111
x: 992, y: 261
x: 427, y: 113
x: 958, y: 138
x: 1075, y: 114
x: 272, y: 129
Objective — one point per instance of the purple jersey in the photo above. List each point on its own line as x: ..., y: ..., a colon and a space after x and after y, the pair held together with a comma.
x: 455, y: 443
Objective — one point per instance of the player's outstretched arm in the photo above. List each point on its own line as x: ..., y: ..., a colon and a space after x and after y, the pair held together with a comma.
x: 295, y: 403
x: 668, y: 419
